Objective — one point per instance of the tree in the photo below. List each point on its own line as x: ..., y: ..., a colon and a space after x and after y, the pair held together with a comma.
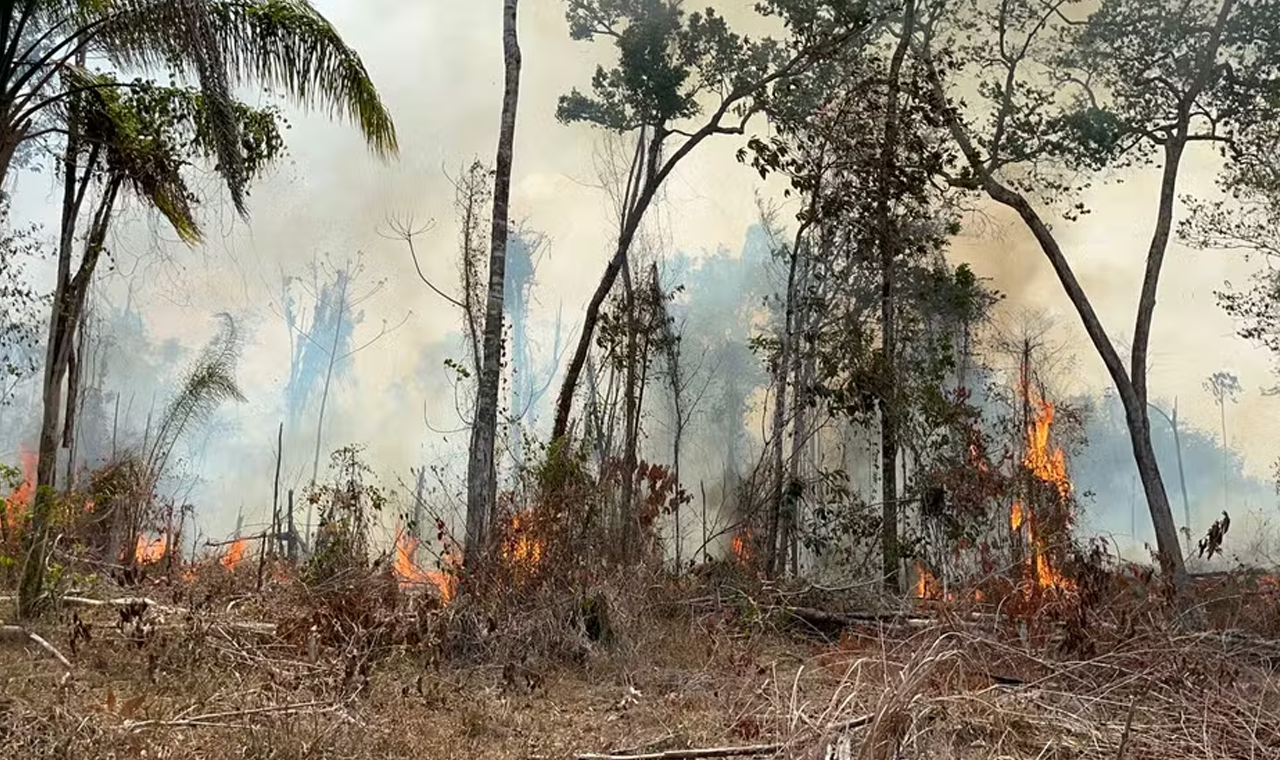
x: 481, y: 471
x: 1224, y: 387
x: 668, y: 64
x: 219, y: 43
x: 1129, y: 84
x: 123, y: 135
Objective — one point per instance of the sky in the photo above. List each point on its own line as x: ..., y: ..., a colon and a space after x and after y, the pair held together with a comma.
x: 438, y: 64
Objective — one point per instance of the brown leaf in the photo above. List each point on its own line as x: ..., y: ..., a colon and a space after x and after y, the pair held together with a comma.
x: 131, y: 706
x: 111, y: 700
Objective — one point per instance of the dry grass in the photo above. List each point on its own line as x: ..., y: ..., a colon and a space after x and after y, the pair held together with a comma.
x: 359, y: 671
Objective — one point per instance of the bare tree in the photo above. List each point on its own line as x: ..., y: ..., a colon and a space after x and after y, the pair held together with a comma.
x: 1224, y: 387
x: 481, y: 472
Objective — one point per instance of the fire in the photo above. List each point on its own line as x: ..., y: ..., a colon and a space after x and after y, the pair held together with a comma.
x: 741, y: 546
x: 409, y: 574
x: 1047, y: 464
x: 234, y: 554
x: 926, y: 583
x: 519, y: 546
x: 148, y: 551
x: 20, y: 499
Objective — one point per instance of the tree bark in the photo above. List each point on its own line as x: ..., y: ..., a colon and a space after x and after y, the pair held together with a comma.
x: 780, y: 375
x: 481, y: 474
x: 68, y: 302
x: 888, y: 244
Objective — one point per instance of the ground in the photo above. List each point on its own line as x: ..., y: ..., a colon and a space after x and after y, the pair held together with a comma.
x: 281, y: 674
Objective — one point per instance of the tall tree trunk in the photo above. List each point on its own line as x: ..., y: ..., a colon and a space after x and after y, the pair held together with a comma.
x: 324, y: 394
x: 630, y: 423
x: 793, y: 494
x: 481, y: 475
x: 888, y: 243
x: 68, y: 302
x: 780, y: 374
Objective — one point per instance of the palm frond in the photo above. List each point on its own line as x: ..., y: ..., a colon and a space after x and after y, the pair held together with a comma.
x: 209, y: 383
x: 136, y: 148
x: 218, y: 44
x: 281, y: 43
x: 288, y: 43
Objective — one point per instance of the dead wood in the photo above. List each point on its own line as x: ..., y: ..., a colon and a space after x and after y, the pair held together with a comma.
x: 18, y: 633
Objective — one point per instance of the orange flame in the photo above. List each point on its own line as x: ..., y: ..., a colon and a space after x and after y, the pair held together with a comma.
x: 926, y: 583
x: 520, y: 546
x: 1047, y: 464
x: 234, y: 554
x: 18, y: 501
x: 741, y: 546
x: 409, y: 574
x: 149, y: 551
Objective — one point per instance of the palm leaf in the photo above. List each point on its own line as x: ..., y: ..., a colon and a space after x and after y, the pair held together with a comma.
x: 221, y: 44
x: 209, y: 383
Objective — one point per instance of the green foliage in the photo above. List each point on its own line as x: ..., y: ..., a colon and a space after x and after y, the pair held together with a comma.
x: 347, y: 508
x: 20, y: 303
x: 218, y: 44
x: 209, y: 383
x: 149, y: 135
x: 670, y: 61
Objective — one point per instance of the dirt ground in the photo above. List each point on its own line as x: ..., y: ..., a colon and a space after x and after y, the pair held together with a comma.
x: 252, y: 677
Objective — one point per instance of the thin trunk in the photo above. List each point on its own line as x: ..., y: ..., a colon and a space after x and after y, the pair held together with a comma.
x: 324, y: 395
x: 68, y: 300
x: 275, y: 490
x: 792, y: 495
x: 293, y: 529
x: 630, y: 423
x: 1182, y: 478
x: 481, y: 476
x: 888, y: 253
x: 779, y: 425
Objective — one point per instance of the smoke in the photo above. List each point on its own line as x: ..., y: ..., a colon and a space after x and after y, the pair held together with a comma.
x: 438, y: 66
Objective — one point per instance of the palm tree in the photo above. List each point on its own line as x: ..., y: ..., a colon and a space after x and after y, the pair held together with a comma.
x: 220, y: 44
x: 119, y: 135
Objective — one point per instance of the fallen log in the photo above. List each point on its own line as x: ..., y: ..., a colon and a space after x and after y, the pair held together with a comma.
x: 18, y: 633
x: 749, y: 750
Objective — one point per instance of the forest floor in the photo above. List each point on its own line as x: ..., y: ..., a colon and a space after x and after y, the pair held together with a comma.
x: 276, y: 674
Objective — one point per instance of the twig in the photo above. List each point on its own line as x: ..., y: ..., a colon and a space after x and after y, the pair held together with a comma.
x: 19, y: 633
x: 1128, y: 726
x: 681, y: 754
x: 207, y: 718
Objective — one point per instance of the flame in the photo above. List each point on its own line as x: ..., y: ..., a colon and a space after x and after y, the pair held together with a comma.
x: 926, y: 583
x: 1049, y: 465
x: 741, y: 546
x: 149, y: 551
x: 521, y: 547
x: 409, y: 574
x: 234, y: 554
x: 20, y: 499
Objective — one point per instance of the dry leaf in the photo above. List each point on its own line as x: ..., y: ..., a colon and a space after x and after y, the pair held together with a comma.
x: 131, y: 706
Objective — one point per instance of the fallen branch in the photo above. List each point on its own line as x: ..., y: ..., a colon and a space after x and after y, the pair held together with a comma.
x: 126, y: 601
x: 213, y: 718
x: 684, y: 754
x: 18, y: 633
x: 741, y: 751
